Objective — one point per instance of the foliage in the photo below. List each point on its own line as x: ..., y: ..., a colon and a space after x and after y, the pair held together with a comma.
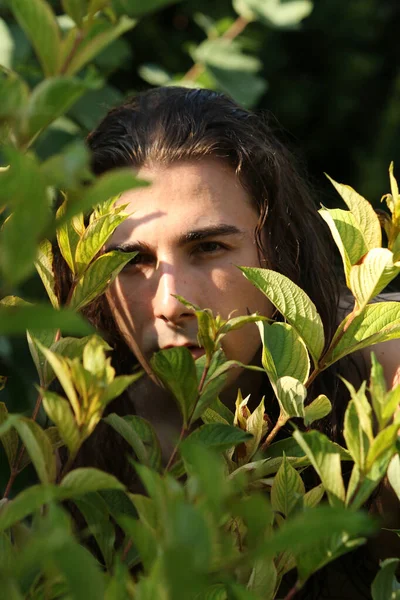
x: 231, y: 512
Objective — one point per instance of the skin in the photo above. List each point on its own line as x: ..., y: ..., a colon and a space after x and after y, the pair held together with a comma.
x: 191, y: 227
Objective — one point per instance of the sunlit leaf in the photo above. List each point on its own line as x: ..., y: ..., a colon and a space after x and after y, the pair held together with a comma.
x: 317, y: 409
x: 45, y: 268
x: 284, y: 352
x: 393, y: 474
x: 364, y: 214
x: 372, y: 275
x: 38, y: 21
x: 94, y: 238
x: 176, y: 369
x: 59, y: 411
x: 356, y: 439
x: 46, y: 338
x: 314, y: 496
x: 347, y: 235
x: 276, y: 13
x: 293, y: 303
x: 379, y: 323
x: 383, y: 443
x: 98, y: 276
x: 263, y: 579
x: 291, y: 394
x: 286, y: 489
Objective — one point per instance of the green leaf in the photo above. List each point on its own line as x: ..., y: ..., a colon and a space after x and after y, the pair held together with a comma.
x: 136, y: 8
x: 94, y: 238
x: 176, y: 369
x: 385, y: 585
x: 291, y: 394
x: 119, y: 385
x: 276, y: 13
x: 81, y: 572
x: 314, y: 496
x: 325, y: 458
x: 130, y: 435
x: 356, y: 439
x: 286, y: 489
x: 98, y: 277
x: 84, y: 480
x: 293, y: 303
x: 364, y: 214
x: 384, y: 442
x: 38, y: 21
x: 76, y: 9
x: 14, y: 95
x: 9, y: 439
x: 68, y: 347
x: 219, y: 436
x: 372, y: 275
x: 143, y: 537
x: 93, y: 45
x: 263, y: 579
x: 59, y: 411
x: 284, y: 352
x: 378, y: 389
x: 318, y: 409
x: 27, y: 199
x: 46, y: 338
x: 348, y: 237
x: 393, y: 474
x: 149, y: 438
x: 94, y: 509
x: 379, y: 323
x: 146, y: 509
x: 106, y: 186
x: 38, y: 446
x: 27, y: 502
x: 44, y: 264
x: 15, y: 320
x: 51, y: 99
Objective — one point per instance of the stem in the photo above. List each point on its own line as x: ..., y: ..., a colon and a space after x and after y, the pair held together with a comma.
x: 126, y: 550
x: 78, y: 40
x: 292, y: 592
x: 185, y: 429
x: 272, y: 434
x: 230, y: 34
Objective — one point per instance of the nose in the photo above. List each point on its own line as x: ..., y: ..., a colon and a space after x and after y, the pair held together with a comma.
x: 166, y: 307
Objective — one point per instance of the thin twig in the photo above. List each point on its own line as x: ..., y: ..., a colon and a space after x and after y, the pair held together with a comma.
x: 292, y: 592
x: 272, y: 434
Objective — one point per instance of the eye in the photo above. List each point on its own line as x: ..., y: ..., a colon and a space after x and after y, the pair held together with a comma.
x: 209, y: 248
x: 141, y: 259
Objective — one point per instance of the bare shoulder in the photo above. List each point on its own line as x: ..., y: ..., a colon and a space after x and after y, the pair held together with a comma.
x: 387, y: 353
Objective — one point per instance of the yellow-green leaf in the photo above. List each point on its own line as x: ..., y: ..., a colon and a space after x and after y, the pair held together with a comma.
x: 365, y: 216
x: 255, y: 425
x: 98, y: 277
x: 378, y: 323
x: 38, y: 21
x: 293, y: 303
x: 45, y: 267
x: 291, y: 394
x: 67, y: 237
x: 356, y: 439
x: 370, y: 277
x: 284, y: 347
x: 38, y: 447
x: 59, y: 411
x: 347, y: 236
x: 94, y: 238
x: 318, y: 409
x: 393, y: 474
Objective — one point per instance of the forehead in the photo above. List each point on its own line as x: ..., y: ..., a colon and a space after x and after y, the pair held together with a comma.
x: 185, y: 196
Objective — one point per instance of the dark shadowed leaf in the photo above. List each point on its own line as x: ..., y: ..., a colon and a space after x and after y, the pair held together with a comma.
x: 385, y: 585
x: 9, y: 438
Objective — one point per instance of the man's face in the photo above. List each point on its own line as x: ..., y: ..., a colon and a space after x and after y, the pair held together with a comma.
x: 191, y: 227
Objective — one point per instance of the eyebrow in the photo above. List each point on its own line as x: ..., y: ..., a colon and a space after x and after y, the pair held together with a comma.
x: 186, y: 238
